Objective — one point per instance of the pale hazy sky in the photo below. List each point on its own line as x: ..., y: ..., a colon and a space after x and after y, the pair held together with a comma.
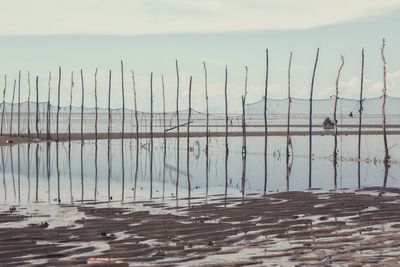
x: 149, y: 35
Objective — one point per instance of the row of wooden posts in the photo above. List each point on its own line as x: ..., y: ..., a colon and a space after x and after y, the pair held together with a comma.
x: 289, y: 149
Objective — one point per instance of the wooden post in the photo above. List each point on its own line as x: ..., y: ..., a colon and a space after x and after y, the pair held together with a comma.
x: 123, y: 131
x: 288, y: 139
x: 151, y: 135
x: 244, y: 146
x: 387, y: 157
x: 4, y: 103
x: 137, y: 136
x: 310, y: 155
x: 108, y: 139
x: 82, y: 104
x: 335, y: 111
x: 48, y: 109
x: 70, y: 107
x: 29, y: 105
x: 58, y: 100
x: 226, y: 110
x: 37, y: 108
x: 95, y: 130
x: 207, y: 124
x: 12, y: 108
x: 266, y: 122
x: 178, y: 130
x: 360, y: 119
x: 164, y: 136
x: 188, y: 139
x: 19, y: 108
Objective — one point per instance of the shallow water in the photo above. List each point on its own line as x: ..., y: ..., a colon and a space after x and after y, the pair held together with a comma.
x: 76, y: 180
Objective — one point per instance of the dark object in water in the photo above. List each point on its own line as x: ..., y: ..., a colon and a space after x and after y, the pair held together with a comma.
x: 12, y: 209
x: 44, y: 225
x: 328, y: 124
x: 9, y: 141
x: 210, y: 243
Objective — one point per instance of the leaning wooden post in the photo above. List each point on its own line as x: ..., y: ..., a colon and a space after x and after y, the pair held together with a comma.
x: 288, y: 139
x: 58, y: 100
x: 4, y: 103
x: 19, y: 107
x: 386, y: 160
x: 265, y: 121
x: 29, y: 104
x: 37, y: 107
x: 12, y: 108
x: 226, y: 110
x: 82, y: 104
x: 151, y: 135
x: 360, y: 119
x: 207, y: 123
x: 335, y: 111
x: 48, y: 109
x: 310, y: 123
x: 137, y: 135
x: 188, y: 139
x: 244, y: 146
x: 178, y: 130
x: 70, y: 107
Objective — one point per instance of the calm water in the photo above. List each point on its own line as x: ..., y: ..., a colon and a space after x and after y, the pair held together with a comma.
x: 29, y: 172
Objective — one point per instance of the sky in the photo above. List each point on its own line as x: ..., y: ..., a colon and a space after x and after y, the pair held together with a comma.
x: 149, y: 35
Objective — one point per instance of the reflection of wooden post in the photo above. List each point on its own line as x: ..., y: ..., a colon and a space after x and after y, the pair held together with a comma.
x: 19, y: 106
x: 48, y: 110
x: 188, y: 138
x: 178, y: 130
x: 386, y: 160
x: 70, y: 107
x: 265, y: 121
x: 58, y: 101
x: 29, y: 104
x: 244, y: 146
x: 226, y: 109
x: 334, y: 112
x: 360, y: 119
x: 4, y: 104
x: 37, y: 107
x: 288, y: 139
x: 310, y: 122
x: 207, y: 123
x: 12, y: 107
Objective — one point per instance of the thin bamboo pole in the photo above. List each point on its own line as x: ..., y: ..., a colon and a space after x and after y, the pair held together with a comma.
x: 207, y: 125
x: 37, y: 107
x: 58, y: 101
x: 19, y: 106
x: 244, y: 146
x: 48, y: 109
x: 310, y: 155
x: 335, y: 110
x: 123, y: 132
x: 188, y: 139
x: 226, y: 110
x: 360, y: 119
x: 288, y: 139
x: 108, y: 139
x: 164, y: 136
x: 387, y: 157
x: 178, y: 130
x: 82, y: 104
x: 70, y: 107
x: 4, y: 103
x: 96, y: 141
x: 265, y: 121
x: 29, y: 105
x: 151, y: 136
x: 12, y: 108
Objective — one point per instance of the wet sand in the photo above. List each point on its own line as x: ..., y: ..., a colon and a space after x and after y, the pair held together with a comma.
x: 289, y: 228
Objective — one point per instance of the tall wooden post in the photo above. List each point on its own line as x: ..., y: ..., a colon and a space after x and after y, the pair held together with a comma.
x: 310, y: 156
x: 108, y: 137
x: 37, y: 108
x: 207, y: 124
x: 188, y: 139
x: 4, y: 103
x: 386, y: 159
x: 58, y: 101
x: 12, y: 108
x: 82, y: 104
x: 288, y: 139
x: 48, y: 109
x: 244, y: 146
x: 29, y: 105
x: 265, y: 121
x: 226, y: 110
x: 151, y: 136
x: 19, y: 108
x: 96, y: 137
x: 123, y: 131
x: 137, y: 135
x: 70, y: 107
x: 360, y: 119
x: 164, y: 136
x: 178, y: 129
